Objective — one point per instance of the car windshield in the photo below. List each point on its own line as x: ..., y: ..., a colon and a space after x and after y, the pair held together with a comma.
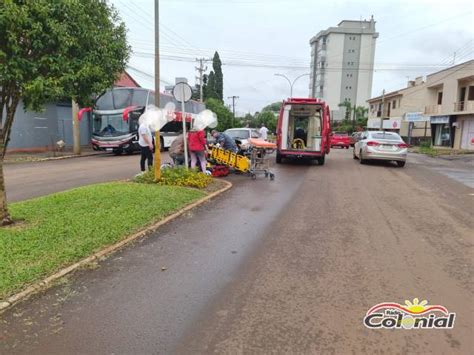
x: 386, y: 135
x: 110, y: 125
x: 238, y: 133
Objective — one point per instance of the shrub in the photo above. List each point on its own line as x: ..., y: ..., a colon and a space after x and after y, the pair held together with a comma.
x: 176, y: 176
x: 425, y: 144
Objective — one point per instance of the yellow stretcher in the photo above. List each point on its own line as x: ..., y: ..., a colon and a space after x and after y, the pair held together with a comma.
x: 230, y: 159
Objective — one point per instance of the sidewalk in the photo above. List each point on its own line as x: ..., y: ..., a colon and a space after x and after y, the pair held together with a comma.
x: 457, y: 167
x: 23, y: 157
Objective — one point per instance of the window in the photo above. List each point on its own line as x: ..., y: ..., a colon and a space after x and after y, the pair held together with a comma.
x: 394, y: 104
x: 470, y: 95
x: 440, y: 97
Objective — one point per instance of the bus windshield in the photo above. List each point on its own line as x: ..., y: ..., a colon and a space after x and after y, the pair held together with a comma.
x: 110, y: 125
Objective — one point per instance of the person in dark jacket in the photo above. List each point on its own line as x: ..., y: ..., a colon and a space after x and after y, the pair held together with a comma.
x: 197, y: 148
x: 226, y: 142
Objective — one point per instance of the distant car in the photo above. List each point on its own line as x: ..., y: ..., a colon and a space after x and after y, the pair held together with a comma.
x: 340, y: 139
x: 355, y: 137
x: 242, y: 135
x: 379, y: 145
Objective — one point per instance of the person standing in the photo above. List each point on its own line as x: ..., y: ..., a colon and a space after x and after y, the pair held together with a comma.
x: 145, y: 141
x: 263, y: 132
x: 197, y: 148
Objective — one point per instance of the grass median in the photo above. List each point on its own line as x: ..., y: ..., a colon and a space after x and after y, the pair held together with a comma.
x: 60, y: 229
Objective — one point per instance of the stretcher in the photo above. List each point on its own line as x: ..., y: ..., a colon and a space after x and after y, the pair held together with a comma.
x: 228, y: 158
x: 259, y: 161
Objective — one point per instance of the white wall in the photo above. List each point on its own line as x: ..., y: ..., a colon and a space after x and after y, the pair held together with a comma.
x: 364, y: 83
x: 334, y: 59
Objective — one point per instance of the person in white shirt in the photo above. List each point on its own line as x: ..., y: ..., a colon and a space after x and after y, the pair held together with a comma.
x: 263, y: 132
x: 145, y: 141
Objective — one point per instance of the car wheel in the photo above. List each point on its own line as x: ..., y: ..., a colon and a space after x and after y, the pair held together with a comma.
x: 401, y: 164
x: 117, y: 151
x: 321, y: 160
x: 361, y: 158
x: 347, y: 147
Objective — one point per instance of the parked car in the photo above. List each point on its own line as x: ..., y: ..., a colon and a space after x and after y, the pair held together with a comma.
x: 379, y: 145
x: 340, y: 139
x: 355, y: 137
x: 242, y: 135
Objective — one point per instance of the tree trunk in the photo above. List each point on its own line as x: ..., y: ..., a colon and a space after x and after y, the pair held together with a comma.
x: 5, y: 218
x: 11, y: 104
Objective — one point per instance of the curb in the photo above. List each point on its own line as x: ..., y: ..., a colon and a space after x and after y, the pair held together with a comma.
x: 40, y: 285
x: 57, y: 158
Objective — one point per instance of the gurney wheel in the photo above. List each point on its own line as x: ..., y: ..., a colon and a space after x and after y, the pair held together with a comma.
x: 272, y: 176
x: 253, y: 176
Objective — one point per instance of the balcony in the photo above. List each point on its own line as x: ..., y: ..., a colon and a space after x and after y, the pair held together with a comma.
x: 433, y: 109
x: 464, y: 106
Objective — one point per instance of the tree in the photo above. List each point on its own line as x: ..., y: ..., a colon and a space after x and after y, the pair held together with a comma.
x: 214, y: 82
x: 51, y: 50
x: 219, y: 77
x: 210, y: 90
x: 347, y: 105
x: 268, y: 118
x: 224, y: 115
x: 274, y: 107
x: 355, y: 117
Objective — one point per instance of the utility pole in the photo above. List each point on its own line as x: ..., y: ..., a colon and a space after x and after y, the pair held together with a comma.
x: 201, y: 69
x: 76, y: 131
x: 383, y: 108
x: 233, y: 107
x: 157, y: 159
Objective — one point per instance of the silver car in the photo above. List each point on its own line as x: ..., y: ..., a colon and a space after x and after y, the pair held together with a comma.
x: 380, y: 145
x: 242, y: 135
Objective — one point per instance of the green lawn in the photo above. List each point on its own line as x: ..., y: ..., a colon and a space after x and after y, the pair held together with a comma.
x: 62, y: 228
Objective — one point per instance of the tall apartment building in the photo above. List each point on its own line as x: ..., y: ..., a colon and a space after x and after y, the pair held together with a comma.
x: 342, y: 64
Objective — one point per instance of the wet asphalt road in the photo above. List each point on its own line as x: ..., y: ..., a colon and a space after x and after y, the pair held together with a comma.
x: 28, y: 180
x: 289, y: 266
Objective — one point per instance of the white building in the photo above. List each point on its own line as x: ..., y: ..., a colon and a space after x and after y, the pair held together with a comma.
x: 342, y: 64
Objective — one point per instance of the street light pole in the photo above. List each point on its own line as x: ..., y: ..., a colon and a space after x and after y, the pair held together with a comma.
x: 289, y: 81
x: 157, y: 161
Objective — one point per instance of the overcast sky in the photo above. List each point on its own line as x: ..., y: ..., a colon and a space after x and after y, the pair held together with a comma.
x: 259, y: 38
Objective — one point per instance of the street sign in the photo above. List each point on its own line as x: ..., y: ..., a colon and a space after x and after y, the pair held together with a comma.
x: 415, y: 117
x: 439, y: 119
x: 182, y: 92
x: 392, y: 124
x: 373, y: 123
